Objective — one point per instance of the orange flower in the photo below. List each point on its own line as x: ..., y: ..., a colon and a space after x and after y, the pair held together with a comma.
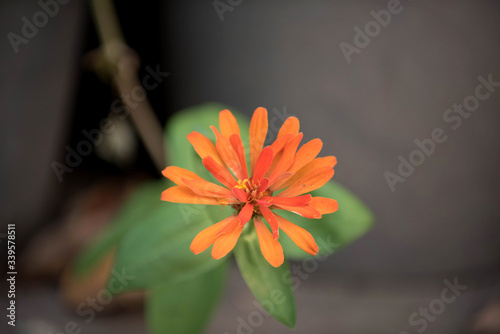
x: 280, y: 177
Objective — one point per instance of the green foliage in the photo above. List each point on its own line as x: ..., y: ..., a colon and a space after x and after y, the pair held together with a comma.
x: 142, y: 203
x: 270, y: 286
x: 185, y: 307
x: 157, y: 249
x: 351, y: 221
x: 152, y: 240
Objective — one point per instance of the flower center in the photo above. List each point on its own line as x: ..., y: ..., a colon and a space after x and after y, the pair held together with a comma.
x: 254, y: 190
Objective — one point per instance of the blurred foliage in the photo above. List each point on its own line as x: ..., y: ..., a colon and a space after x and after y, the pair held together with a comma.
x: 270, y: 286
x: 153, y: 239
x: 172, y: 306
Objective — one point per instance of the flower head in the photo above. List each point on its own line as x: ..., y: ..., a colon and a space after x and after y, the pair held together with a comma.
x: 280, y: 177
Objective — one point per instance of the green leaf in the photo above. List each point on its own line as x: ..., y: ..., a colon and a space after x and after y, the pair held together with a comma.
x: 332, y: 231
x: 133, y: 212
x: 270, y: 286
x: 157, y: 249
x: 185, y: 306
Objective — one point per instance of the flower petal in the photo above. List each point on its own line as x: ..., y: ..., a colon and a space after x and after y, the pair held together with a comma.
x: 264, y: 203
x: 306, y: 154
x: 239, y: 150
x: 204, y: 147
x: 225, y: 243
x: 291, y: 201
x: 181, y: 194
x: 329, y: 161
x: 287, y: 158
x: 206, y: 237
x: 299, y: 236
x: 246, y: 213
x: 309, y: 182
x: 227, y: 154
x: 209, y: 189
x: 219, y: 172
x: 240, y: 194
x: 276, y: 160
x: 228, y: 124
x: 176, y: 173
x: 264, y: 183
x: 280, y: 181
x: 271, y: 219
x: 306, y: 211
x: 291, y: 125
x: 263, y: 163
x: 279, y: 143
x: 258, y: 132
x: 324, y: 205
x: 270, y: 248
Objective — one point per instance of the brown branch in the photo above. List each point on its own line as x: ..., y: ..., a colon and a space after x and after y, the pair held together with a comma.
x: 123, y: 64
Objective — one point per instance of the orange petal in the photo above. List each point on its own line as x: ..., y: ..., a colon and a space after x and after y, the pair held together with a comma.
x: 301, y: 237
x: 291, y: 201
x: 306, y: 154
x: 240, y: 194
x: 204, y: 147
x: 329, y: 161
x: 219, y: 172
x: 176, y: 173
x: 228, y: 124
x: 264, y: 183
x: 181, y: 194
x: 306, y: 211
x: 309, y: 182
x: 206, y: 237
x: 270, y: 248
x: 280, y: 180
x: 291, y: 125
x: 281, y: 142
x: 271, y: 219
x: 209, y: 189
x: 264, y: 203
x: 246, y: 213
x: 263, y: 163
x: 276, y: 160
x: 258, y: 132
x: 324, y: 205
x: 227, y: 154
x: 225, y: 243
x: 239, y: 149
x: 287, y: 158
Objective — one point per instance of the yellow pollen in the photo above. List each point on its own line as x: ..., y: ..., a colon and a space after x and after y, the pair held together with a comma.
x: 242, y: 184
x: 250, y: 187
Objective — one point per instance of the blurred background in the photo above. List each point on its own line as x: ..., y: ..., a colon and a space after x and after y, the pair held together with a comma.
x: 368, y: 104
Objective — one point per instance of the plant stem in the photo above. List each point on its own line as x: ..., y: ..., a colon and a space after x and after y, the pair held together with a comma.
x: 123, y: 64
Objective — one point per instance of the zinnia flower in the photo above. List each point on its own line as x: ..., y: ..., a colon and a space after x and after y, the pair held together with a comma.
x: 279, y: 178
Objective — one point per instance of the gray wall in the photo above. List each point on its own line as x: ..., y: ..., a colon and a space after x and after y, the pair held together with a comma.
x: 286, y: 54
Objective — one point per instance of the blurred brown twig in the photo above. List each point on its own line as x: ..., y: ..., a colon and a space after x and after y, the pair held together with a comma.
x: 122, y: 63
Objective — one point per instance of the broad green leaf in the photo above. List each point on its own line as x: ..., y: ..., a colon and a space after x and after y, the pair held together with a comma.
x: 134, y: 211
x: 270, y: 286
x: 157, y: 249
x: 334, y: 230
x: 185, y: 307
